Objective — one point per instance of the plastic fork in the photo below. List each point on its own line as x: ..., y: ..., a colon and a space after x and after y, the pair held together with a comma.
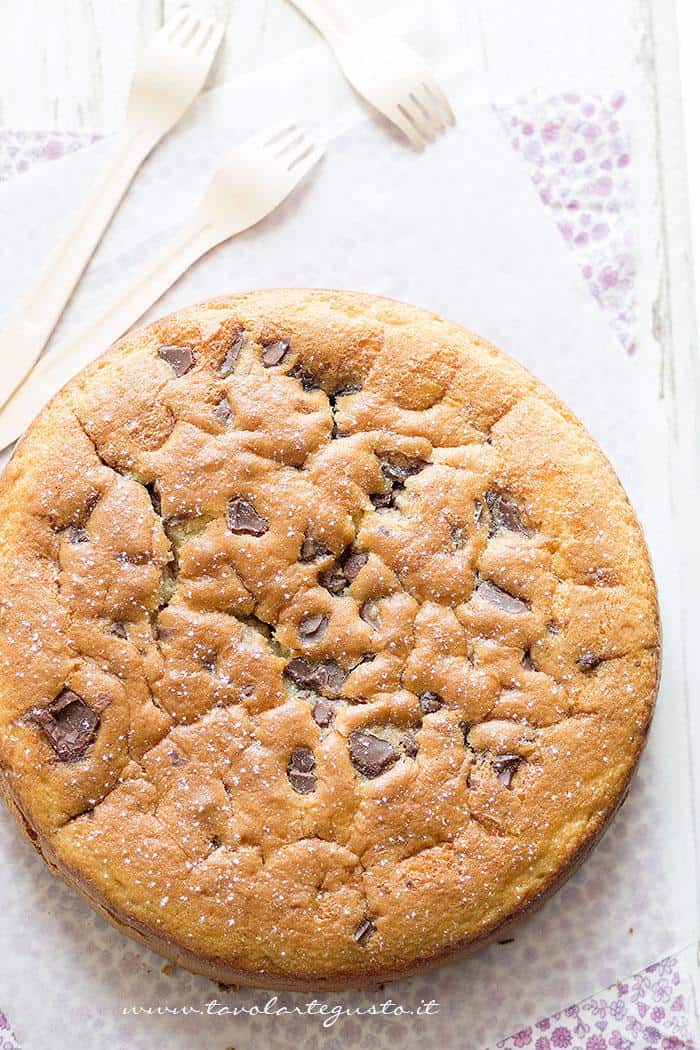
x: 384, y: 70
x: 170, y: 74
x: 255, y: 179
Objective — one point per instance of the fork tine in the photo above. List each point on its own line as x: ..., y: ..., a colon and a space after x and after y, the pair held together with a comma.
x: 290, y: 142
x: 283, y: 143
x: 173, y: 25
x: 269, y: 136
x: 302, y: 149
x: 186, y: 30
x: 433, y: 88
x: 398, y: 117
x: 418, y: 119
x: 214, y: 37
x: 200, y: 34
x: 429, y: 107
x: 304, y: 165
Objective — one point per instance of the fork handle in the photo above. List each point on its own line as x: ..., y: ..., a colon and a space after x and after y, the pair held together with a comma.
x: 328, y: 16
x: 61, y: 363
x: 35, y: 319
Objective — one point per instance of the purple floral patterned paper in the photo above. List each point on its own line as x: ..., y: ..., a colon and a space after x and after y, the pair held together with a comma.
x: 8, y: 1040
x: 578, y: 153
x: 579, y: 156
x: 646, y: 1012
x: 22, y: 150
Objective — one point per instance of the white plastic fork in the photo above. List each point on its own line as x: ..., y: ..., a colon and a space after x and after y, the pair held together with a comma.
x: 170, y: 74
x: 256, y: 178
x: 384, y: 70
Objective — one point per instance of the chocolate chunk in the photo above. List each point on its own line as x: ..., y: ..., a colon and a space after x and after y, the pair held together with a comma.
x: 430, y: 703
x: 243, y: 518
x: 337, y: 578
x: 313, y: 628
x: 369, y: 612
x: 366, y: 658
x: 478, y: 512
x: 364, y: 931
x: 327, y: 677
x: 382, y: 500
x: 77, y: 534
x: 304, y: 674
x: 343, y: 391
x: 458, y: 538
x: 69, y: 723
x: 307, y: 379
x: 324, y: 712
x: 273, y: 353
x: 505, y: 766
x: 223, y: 412
x: 180, y: 358
x: 397, y: 468
x: 301, y: 770
x: 354, y: 563
x: 369, y: 754
x: 312, y: 549
x: 154, y: 496
x: 118, y: 629
x: 409, y: 744
x: 504, y: 513
x: 176, y: 759
x: 335, y: 676
x: 505, y: 601
x: 90, y: 504
x: 232, y: 354
x: 527, y: 662
x: 466, y: 728
x: 333, y: 580
x: 588, y: 661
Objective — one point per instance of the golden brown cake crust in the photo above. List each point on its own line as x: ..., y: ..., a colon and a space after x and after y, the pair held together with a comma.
x: 329, y: 639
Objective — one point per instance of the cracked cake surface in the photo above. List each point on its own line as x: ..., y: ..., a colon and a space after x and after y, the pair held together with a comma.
x: 329, y: 639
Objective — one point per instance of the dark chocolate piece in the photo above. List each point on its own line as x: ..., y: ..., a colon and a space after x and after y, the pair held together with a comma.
x: 430, y: 703
x: 369, y: 754
x: 274, y: 353
x: 243, y: 518
x: 301, y: 770
x: 313, y: 628
x: 69, y: 723
x: 228, y: 363
x: 180, y: 358
x: 505, y: 601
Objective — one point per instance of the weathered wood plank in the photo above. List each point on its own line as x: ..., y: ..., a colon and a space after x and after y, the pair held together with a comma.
x: 66, y: 63
x: 63, y: 62
x: 258, y: 32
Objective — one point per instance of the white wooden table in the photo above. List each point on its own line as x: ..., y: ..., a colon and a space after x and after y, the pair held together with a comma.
x: 65, y: 63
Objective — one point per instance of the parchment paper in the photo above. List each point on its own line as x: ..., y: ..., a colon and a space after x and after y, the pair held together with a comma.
x: 459, y: 230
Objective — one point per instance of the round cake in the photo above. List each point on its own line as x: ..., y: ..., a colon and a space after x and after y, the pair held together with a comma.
x: 329, y: 639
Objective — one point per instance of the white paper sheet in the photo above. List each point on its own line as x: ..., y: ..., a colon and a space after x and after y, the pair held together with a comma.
x: 458, y: 229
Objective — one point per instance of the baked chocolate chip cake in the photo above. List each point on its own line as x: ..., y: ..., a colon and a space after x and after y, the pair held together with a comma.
x: 329, y: 639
